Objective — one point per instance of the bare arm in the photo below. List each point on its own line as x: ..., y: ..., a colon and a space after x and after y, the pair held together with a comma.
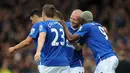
x: 22, y: 44
x: 41, y: 40
x: 69, y: 36
x: 84, y: 53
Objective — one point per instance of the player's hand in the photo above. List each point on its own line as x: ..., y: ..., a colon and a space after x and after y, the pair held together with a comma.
x: 105, y: 29
x: 63, y: 23
x: 11, y: 50
x: 37, y: 56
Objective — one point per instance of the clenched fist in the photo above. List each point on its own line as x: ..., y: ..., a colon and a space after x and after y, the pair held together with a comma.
x: 37, y: 56
x: 11, y: 50
x: 63, y: 23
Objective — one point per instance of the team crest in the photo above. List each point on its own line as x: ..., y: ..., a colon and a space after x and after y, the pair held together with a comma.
x: 40, y: 28
x: 32, y: 31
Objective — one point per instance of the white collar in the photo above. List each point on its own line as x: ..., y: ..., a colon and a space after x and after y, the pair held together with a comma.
x: 75, y: 28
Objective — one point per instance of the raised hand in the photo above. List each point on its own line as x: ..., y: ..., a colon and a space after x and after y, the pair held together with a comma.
x: 11, y: 50
x: 63, y: 23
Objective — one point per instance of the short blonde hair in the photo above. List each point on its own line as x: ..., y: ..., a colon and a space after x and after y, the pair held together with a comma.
x: 87, y: 16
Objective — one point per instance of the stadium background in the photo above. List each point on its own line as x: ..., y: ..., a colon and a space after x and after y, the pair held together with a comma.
x: 15, y: 26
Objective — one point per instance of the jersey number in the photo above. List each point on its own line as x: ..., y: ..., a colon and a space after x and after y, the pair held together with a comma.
x: 103, y: 32
x: 55, y: 42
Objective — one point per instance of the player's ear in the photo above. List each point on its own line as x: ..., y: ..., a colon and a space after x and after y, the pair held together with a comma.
x: 43, y: 14
x: 82, y: 21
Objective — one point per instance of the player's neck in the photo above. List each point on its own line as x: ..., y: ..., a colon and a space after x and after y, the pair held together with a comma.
x: 38, y: 20
x: 48, y: 19
x: 89, y: 21
x: 57, y: 19
x: 76, y: 27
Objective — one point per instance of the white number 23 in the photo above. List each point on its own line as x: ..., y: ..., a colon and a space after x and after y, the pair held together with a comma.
x: 55, y: 42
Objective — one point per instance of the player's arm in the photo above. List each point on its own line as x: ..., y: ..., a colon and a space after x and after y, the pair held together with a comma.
x: 69, y: 36
x: 105, y: 29
x: 84, y: 53
x: 33, y: 34
x: 77, y: 46
x: 22, y: 44
x: 41, y: 40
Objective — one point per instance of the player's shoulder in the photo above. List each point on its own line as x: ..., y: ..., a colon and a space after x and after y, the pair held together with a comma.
x: 52, y: 23
x: 38, y: 23
x: 87, y: 25
x: 98, y: 24
x: 90, y: 24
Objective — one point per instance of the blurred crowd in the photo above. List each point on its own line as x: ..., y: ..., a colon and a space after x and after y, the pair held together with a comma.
x: 15, y: 26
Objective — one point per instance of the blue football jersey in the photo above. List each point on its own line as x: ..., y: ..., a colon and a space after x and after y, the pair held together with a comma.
x: 53, y: 52
x: 76, y: 58
x: 34, y: 33
x: 96, y: 40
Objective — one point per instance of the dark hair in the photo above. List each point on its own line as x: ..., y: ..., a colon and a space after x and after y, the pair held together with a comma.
x: 58, y: 14
x: 49, y: 10
x: 36, y: 12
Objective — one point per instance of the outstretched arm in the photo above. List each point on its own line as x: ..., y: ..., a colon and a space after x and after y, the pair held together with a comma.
x: 70, y: 37
x: 22, y: 44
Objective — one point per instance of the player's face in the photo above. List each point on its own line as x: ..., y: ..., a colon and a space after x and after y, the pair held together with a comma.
x: 75, y: 20
x: 34, y: 19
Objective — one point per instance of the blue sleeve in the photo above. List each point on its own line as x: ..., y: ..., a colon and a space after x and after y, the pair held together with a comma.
x: 34, y: 31
x: 43, y: 28
x: 68, y: 24
x: 83, y: 30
